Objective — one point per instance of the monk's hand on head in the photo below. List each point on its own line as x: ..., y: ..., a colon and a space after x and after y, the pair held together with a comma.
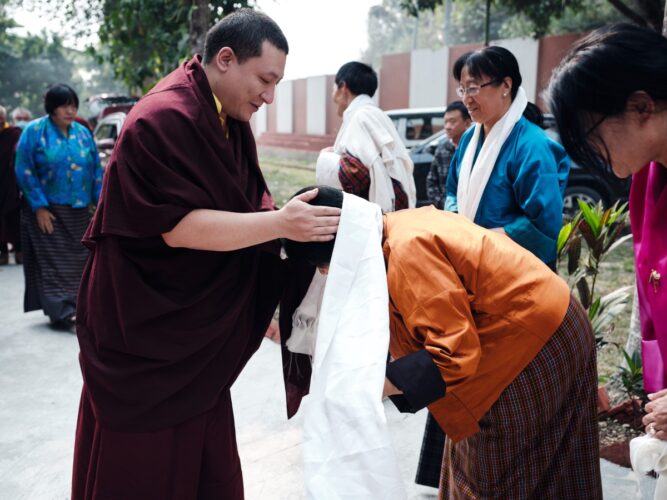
x: 304, y: 222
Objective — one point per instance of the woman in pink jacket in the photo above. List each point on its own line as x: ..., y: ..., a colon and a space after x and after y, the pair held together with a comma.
x: 609, y: 98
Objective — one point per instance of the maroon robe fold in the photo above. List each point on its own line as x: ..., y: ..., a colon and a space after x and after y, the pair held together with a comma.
x: 165, y: 331
x: 9, y: 192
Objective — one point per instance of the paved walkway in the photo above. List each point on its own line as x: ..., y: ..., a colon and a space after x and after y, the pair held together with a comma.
x: 40, y: 384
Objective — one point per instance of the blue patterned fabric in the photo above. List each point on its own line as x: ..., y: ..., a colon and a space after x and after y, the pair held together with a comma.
x: 524, y: 194
x: 59, y: 170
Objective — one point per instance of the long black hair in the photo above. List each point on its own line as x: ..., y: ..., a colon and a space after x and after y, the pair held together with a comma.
x: 597, y: 77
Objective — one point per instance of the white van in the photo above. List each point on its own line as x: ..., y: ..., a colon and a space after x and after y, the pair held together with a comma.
x: 416, y: 124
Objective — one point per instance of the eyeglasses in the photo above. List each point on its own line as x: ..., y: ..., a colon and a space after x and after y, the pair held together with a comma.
x: 472, y: 91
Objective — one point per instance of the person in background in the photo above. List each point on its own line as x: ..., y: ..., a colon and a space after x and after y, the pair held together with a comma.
x: 184, y: 275
x: 368, y: 158
x: 506, y: 175
x: 84, y: 122
x: 609, y: 99
x: 21, y: 117
x: 9, y: 193
x: 457, y: 121
x: 59, y: 173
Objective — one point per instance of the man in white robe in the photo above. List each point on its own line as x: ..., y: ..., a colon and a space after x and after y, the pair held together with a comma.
x: 368, y: 158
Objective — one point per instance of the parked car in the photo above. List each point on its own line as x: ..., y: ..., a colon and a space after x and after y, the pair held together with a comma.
x: 416, y: 124
x: 102, y: 105
x: 581, y: 184
x: 106, y: 132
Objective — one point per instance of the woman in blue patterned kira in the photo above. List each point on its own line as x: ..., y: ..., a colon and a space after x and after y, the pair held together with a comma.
x: 59, y: 171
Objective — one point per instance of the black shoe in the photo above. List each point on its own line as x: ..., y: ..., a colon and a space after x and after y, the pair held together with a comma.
x: 67, y: 324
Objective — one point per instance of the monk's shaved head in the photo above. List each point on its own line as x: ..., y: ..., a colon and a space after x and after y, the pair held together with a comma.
x: 244, y: 31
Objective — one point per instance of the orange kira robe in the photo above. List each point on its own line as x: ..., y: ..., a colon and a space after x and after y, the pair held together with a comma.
x: 481, y: 305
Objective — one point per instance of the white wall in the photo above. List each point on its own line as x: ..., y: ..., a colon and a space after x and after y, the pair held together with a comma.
x: 526, y: 51
x: 317, y: 97
x: 259, y: 121
x: 428, y: 77
x: 285, y: 107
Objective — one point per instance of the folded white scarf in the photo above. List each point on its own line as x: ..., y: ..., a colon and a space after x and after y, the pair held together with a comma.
x: 368, y: 134
x: 305, y: 318
x: 473, y: 178
x: 648, y: 453
x: 347, y: 450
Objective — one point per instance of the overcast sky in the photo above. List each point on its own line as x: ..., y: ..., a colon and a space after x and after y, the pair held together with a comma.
x: 322, y: 34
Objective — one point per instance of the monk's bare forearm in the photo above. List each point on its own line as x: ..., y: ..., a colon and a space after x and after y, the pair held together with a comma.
x: 224, y: 231
x: 217, y: 230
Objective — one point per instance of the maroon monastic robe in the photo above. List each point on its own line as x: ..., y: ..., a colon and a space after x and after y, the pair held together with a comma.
x: 163, y: 331
x: 9, y: 192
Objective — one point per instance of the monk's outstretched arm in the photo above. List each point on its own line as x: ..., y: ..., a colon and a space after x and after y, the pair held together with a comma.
x: 217, y: 230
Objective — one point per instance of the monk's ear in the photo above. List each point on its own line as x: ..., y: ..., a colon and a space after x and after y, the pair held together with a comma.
x: 224, y: 58
x: 641, y: 103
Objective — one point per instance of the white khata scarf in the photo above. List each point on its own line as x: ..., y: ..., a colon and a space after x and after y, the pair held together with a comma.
x: 347, y: 450
x: 474, y: 177
x: 648, y: 453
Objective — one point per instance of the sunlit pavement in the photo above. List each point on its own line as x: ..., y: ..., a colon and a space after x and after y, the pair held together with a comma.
x: 40, y: 384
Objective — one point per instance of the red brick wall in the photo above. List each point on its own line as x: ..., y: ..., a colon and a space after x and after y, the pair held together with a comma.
x: 300, y: 106
x: 395, y: 78
x: 551, y: 52
x: 333, y: 121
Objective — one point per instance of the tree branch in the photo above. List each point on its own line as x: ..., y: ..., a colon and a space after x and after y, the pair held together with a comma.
x: 652, y: 12
x: 628, y: 12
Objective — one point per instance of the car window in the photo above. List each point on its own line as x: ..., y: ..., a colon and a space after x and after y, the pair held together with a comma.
x: 413, y: 128
x: 106, y: 131
x: 437, y: 123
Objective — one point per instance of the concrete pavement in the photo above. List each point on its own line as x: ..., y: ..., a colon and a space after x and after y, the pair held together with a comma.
x: 40, y: 384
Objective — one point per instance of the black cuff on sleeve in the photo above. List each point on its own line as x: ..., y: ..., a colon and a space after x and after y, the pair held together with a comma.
x: 420, y: 380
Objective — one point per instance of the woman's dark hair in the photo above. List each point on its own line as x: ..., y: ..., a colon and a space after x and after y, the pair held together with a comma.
x: 244, y: 31
x: 534, y: 114
x: 58, y: 95
x: 316, y: 253
x: 360, y: 78
x: 595, y: 80
x: 494, y: 62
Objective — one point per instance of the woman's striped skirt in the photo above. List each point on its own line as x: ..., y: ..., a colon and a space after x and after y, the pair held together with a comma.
x: 540, y: 439
x: 53, y: 263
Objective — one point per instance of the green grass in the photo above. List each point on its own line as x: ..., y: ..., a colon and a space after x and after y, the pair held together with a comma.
x: 285, y: 177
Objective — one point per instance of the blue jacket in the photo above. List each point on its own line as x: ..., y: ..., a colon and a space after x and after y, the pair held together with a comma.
x: 524, y: 194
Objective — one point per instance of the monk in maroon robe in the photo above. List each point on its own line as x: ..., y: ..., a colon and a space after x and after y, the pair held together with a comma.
x: 9, y: 192
x: 184, y: 275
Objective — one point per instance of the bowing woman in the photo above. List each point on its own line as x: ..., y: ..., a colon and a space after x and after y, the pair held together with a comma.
x: 609, y: 98
x: 58, y: 169
x: 506, y: 175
